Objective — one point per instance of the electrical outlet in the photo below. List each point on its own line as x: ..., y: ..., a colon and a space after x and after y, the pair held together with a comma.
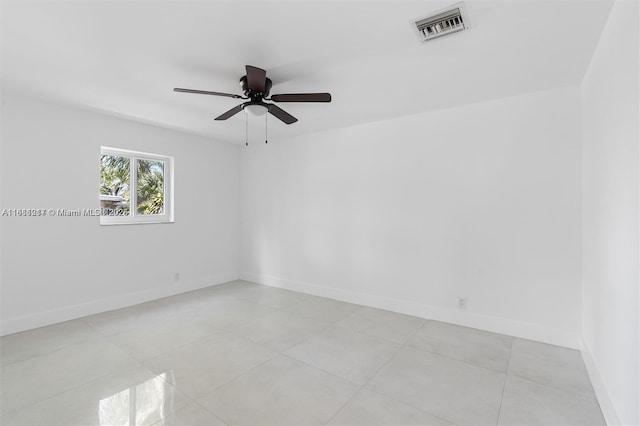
x: 177, y: 276
x: 462, y: 302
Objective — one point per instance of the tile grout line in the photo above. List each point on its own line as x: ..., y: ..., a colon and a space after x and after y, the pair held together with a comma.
x: 505, y: 372
x: 97, y: 335
x: 286, y: 309
x: 343, y: 405
x: 555, y: 388
x: 400, y: 347
x: 404, y: 346
x: 315, y: 367
x: 504, y: 385
x: 187, y: 397
x: 74, y: 388
x: 196, y: 401
x: 457, y: 360
x: 592, y: 396
x: 363, y: 386
x: 184, y: 394
x: 173, y: 348
x: 410, y: 406
x: 283, y: 353
x: 240, y: 375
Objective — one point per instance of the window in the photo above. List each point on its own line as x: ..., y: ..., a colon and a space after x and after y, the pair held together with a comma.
x: 135, y: 187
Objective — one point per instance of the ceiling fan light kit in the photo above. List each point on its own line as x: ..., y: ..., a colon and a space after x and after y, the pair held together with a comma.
x: 256, y: 88
x: 255, y: 109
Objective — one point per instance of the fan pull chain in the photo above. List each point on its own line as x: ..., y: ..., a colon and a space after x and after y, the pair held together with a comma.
x: 246, y: 128
x: 266, y: 132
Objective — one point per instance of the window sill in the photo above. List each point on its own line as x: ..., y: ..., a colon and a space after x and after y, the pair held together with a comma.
x: 157, y: 222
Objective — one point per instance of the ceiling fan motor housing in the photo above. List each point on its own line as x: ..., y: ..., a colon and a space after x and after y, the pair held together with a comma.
x: 256, y: 87
x: 248, y: 92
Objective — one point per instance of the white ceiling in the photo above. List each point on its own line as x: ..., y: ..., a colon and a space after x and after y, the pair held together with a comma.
x: 124, y: 57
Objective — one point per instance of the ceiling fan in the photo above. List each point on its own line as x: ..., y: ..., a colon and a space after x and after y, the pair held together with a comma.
x: 256, y: 87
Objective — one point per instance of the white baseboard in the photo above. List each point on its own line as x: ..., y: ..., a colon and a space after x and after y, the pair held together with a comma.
x: 66, y: 313
x: 602, y: 394
x: 554, y: 336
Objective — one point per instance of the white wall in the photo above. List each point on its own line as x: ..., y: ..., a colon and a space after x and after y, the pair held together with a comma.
x: 481, y: 201
x: 610, y: 216
x: 57, y: 268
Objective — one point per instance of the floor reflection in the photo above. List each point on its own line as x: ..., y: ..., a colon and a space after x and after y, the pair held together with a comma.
x: 142, y: 404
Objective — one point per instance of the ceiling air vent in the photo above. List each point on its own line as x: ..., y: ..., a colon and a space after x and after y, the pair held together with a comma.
x: 447, y: 21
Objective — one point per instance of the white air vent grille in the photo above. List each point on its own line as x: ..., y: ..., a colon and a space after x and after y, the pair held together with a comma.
x: 449, y: 21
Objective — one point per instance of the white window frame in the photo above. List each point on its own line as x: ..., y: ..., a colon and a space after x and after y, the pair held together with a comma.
x: 134, y: 217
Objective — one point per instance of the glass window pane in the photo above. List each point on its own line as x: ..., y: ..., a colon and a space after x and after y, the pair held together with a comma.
x: 150, y: 187
x: 114, y: 185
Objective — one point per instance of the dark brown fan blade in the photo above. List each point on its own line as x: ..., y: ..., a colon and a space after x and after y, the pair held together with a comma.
x: 302, y: 97
x: 256, y: 79
x: 204, y: 92
x: 281, y: 114
x: 233, y: 111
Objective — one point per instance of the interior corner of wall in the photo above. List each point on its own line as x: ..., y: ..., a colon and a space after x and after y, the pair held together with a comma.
x: 602, y: 394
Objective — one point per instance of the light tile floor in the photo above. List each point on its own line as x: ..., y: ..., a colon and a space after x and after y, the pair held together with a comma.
x: 246, y: 354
